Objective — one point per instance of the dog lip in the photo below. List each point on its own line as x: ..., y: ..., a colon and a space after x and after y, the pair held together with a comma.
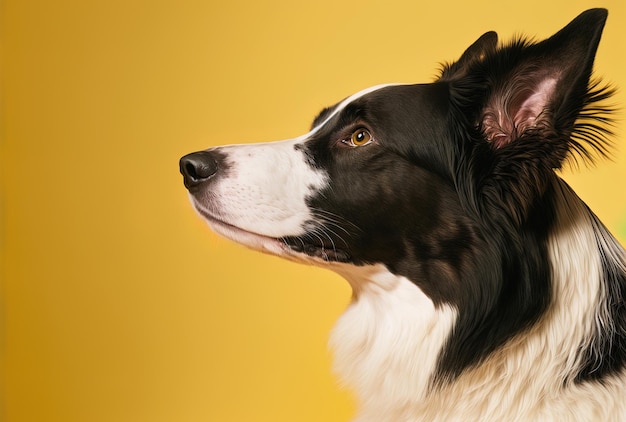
x: 278, y: 246
x: 242, y: 236
x: 323, y: 252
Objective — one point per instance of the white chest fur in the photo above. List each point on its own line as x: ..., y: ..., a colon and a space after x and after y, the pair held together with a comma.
x: 387, y: 343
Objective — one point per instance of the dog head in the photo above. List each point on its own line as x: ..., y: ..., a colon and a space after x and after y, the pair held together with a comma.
x: 398, y: 168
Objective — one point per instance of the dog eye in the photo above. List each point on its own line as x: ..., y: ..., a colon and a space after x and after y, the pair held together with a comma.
x: 359, y: 138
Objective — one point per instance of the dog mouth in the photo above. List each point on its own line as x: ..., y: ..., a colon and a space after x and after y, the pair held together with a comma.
x: 297, y: 247
x: 320, y: 249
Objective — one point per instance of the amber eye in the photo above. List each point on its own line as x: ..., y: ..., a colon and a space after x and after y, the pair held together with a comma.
x: 360, y: 137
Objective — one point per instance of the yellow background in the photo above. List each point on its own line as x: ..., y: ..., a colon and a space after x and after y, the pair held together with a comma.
x: 118, y: 304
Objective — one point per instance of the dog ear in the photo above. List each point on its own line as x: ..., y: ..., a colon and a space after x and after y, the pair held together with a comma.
x: 475, y: 53
x: 540, y: 89
x: 529, y: 106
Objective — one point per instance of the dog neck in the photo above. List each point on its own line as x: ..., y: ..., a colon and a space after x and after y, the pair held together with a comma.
x: 387, y: 342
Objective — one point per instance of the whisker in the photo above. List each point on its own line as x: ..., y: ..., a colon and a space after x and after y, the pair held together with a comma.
x: 335, y: 219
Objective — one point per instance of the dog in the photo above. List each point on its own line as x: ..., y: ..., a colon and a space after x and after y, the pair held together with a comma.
x: 484, y: 289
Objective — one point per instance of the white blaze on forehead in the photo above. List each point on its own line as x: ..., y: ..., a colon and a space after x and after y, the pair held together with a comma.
x: 266, y: 185
x: 343, y: 105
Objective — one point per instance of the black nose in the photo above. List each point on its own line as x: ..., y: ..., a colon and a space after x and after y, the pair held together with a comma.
x: 198, y: 167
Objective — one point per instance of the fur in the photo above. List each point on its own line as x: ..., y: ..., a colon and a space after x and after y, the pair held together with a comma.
x: 483, y: 287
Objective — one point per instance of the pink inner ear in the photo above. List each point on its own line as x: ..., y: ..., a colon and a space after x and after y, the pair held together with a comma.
x: 510, y: 113
x: 532, y: 107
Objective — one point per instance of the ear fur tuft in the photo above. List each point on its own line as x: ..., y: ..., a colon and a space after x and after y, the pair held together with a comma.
x: 518, y: 108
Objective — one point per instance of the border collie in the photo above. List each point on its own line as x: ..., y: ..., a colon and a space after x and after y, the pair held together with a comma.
x: 484, y: 288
